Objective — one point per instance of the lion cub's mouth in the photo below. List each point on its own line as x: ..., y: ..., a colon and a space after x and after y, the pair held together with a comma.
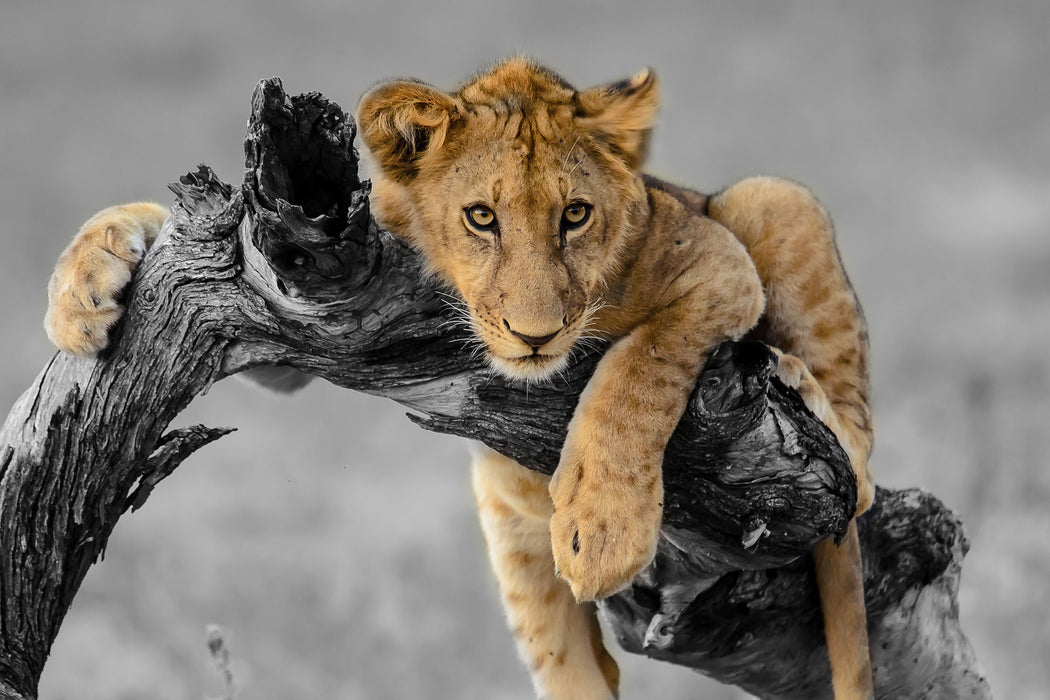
x: 530, y: 368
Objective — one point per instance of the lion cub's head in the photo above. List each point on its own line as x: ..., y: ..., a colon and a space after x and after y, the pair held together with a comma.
x: 520, y: 191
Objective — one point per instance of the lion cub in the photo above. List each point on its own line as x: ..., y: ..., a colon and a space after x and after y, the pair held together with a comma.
x: 525, y: 196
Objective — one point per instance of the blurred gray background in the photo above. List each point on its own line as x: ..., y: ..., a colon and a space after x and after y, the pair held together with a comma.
x: 336, y: 541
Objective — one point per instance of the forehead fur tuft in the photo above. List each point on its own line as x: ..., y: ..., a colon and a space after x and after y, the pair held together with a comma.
x: 517, y: 81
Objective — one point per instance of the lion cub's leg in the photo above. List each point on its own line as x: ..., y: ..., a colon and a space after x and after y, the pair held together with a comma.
x: 90, y: 275
x: 838, y: 567
x: 814, y: 317
x: 558, y: 639
x: 811, y: 310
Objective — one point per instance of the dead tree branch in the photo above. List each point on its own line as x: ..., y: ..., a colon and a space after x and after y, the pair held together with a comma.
x: 291, y: 270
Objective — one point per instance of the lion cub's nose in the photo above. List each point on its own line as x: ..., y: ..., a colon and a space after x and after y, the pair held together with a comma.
x: 534, y: 341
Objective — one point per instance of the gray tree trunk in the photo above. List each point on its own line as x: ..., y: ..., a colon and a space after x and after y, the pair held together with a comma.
x: 291, y: 270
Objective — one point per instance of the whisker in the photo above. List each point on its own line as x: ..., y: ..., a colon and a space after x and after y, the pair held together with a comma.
x: 589, y: 342
x: 575, y: 166
x: 569, y: 153
x: 461, y: 317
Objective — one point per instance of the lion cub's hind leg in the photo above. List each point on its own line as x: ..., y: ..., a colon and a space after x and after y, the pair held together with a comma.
x: 91, y: 273
x: 558, y: 639
x: 813, y: 314
x: 811, y: 310
x: 839, y: 574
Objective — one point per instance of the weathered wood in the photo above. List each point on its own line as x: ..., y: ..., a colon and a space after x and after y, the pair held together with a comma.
x: 291, y: 270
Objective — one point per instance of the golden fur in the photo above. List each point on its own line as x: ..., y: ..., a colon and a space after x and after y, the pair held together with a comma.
x: 92, y: 272
x: 525, y: 197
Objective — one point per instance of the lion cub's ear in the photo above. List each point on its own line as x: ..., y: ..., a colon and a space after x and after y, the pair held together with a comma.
x: 401, y: 122
x: 622, y: 114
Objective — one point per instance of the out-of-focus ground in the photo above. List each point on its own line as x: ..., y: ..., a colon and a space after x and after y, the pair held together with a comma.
x: 337, y: 541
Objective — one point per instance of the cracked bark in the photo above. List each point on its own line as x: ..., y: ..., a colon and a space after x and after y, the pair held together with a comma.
x: 290, y: 270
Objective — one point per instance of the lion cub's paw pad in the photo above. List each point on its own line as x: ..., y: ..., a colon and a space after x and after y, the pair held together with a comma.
x: 602, y: 540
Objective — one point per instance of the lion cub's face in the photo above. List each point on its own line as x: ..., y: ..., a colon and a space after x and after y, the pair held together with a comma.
x: 520, y: 192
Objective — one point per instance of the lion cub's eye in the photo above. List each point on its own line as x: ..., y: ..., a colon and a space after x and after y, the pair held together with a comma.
x: 481, y: 217
x: 576, y: 215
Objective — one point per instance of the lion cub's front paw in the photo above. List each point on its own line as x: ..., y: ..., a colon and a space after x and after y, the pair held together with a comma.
x: 87, y: 282
x: 604, y: 528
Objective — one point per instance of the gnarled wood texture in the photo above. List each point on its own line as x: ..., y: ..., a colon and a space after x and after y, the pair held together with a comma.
x: 291, y: 270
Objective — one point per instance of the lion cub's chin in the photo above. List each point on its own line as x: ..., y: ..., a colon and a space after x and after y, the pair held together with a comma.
x: 529, y: 368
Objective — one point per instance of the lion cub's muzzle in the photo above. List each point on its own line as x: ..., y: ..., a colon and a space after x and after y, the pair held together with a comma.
x: 529, y: 350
